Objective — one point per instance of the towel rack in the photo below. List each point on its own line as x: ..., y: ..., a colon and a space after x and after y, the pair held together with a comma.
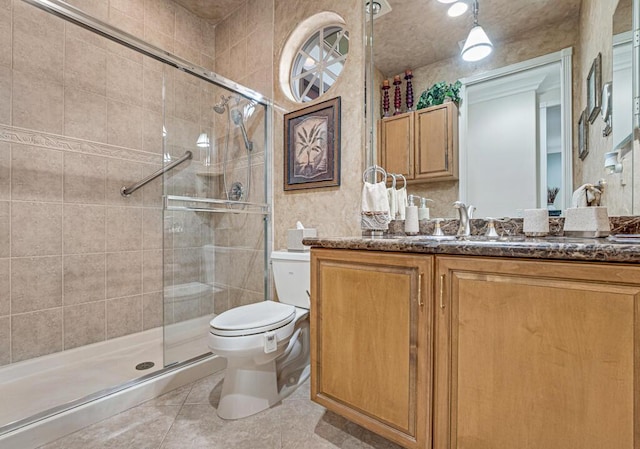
x: 375, y: 169
x: 127, y: 191
x: 393, y: 179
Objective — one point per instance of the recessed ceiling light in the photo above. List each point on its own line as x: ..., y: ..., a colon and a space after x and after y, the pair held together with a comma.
x: 457, y: 9
x: 446, y: 2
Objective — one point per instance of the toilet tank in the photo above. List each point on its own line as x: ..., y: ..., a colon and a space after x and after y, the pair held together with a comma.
x: 292, y: 276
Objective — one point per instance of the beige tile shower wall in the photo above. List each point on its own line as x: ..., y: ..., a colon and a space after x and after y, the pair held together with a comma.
x: 333, y: 211
x: 244, y: 53
x: 596, y: 28
x: 80, y: 116
x: 244, y: 46
x: 530, y: 45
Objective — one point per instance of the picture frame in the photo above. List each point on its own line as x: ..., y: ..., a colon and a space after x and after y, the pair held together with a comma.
x: 583, y: 135
x: 594, y: 88
x: 312, y: 146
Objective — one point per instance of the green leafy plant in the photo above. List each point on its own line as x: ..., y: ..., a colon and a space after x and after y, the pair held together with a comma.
x: 437, y: 94
x: 453, y: 92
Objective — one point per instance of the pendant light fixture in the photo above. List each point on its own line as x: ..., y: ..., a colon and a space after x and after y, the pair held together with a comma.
x: 477, y: 46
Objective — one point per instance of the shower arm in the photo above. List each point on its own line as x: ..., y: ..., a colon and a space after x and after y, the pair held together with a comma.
x: 127, y: 191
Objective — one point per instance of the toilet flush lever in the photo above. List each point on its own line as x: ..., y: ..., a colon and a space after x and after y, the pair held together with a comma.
x: 270, y: 342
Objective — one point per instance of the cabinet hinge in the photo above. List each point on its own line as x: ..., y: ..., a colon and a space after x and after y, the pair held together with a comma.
x: 636, y: 38
x: 636, y: 105
x: 420, y: 300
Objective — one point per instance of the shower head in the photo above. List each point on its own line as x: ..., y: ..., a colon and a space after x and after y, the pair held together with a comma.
x: 221, y: 106
x: 236, y: 116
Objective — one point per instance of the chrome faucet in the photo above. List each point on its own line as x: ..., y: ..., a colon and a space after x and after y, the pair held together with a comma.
x: 466, y: 213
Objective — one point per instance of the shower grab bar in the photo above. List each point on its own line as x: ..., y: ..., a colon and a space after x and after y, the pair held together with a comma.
x: 247, y: 208
x: 127, y: 191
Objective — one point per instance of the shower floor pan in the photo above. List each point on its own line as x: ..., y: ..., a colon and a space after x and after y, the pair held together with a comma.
x: 34, y: 386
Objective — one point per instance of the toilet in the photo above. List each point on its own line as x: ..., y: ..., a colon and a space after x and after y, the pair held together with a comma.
x: 266, y: 344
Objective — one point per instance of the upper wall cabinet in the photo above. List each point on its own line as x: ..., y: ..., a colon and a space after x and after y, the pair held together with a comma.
x: 421, y: 145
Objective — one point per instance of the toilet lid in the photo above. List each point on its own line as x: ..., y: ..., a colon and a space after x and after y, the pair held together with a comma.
x: 252, y: 319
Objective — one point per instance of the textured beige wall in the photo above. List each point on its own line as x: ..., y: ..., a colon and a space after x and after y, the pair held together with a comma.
x: 595, y: 36
x: 532, y: 44
x: 333, y: 211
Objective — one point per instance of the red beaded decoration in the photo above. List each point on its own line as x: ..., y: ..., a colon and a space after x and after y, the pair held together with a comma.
x: 397, y: 97
x: 409, y: 96
x: 385, y: 98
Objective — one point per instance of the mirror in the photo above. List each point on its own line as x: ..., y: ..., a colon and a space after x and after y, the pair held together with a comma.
x: 622, y: 95
x: 418, y: 35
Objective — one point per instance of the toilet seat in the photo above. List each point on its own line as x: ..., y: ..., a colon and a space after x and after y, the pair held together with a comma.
x: 252, y: 319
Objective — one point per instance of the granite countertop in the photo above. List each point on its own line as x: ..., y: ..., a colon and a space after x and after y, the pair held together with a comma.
x: 552, y: 247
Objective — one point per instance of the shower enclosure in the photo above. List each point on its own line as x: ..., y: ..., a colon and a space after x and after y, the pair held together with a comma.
x: 101, y: 289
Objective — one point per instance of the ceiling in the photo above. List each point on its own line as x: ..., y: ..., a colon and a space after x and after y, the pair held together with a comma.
x: 418, y: 32
x: 211, y: 10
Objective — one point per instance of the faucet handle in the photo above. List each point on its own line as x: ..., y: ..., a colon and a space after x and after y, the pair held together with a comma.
x: 438, y: 229
x: 491, y: 228
x: 470, y: 211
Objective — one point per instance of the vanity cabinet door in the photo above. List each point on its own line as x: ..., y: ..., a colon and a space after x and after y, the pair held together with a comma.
x: 436, y: 143
x: 371, y: 341
x: 396, y: 144
x: 536, y: 354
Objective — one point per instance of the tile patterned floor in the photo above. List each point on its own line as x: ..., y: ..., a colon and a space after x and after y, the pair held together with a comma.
x: 186, y: 419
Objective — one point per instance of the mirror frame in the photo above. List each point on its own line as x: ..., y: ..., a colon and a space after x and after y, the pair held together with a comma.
x: 635, y: 70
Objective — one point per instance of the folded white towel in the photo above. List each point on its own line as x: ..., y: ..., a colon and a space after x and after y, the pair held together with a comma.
x: 375, y: 206
x: 393, y: 202
x: 401, y: 195
x: 586, y: 195
x: 579, y: 197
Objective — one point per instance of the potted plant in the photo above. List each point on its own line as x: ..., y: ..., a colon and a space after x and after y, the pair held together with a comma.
x: 439, y: 93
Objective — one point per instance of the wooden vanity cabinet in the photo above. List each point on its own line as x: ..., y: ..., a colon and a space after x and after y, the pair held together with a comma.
x: 371, y: 341
x: 421, y: 145
x: 436, y: 143
x: 536, y: 354
x: 396, y: 143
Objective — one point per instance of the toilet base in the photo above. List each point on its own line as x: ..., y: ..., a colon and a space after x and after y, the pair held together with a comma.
x: 247, y: 388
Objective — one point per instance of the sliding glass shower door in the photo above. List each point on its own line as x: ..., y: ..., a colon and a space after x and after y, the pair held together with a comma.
x: 215, y: 208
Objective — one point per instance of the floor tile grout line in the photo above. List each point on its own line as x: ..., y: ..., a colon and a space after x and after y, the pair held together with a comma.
x: 164, y: 437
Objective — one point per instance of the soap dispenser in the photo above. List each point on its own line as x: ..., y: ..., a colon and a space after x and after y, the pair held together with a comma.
x: 411, y: 225
x: 423, y: 211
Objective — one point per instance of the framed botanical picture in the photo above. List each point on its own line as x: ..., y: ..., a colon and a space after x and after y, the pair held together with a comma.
x: 583, y: 135
x: 312, y: 146
x: 594, y: 87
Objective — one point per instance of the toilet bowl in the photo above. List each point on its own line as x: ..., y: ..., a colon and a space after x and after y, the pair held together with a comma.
x: 266, y: 344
